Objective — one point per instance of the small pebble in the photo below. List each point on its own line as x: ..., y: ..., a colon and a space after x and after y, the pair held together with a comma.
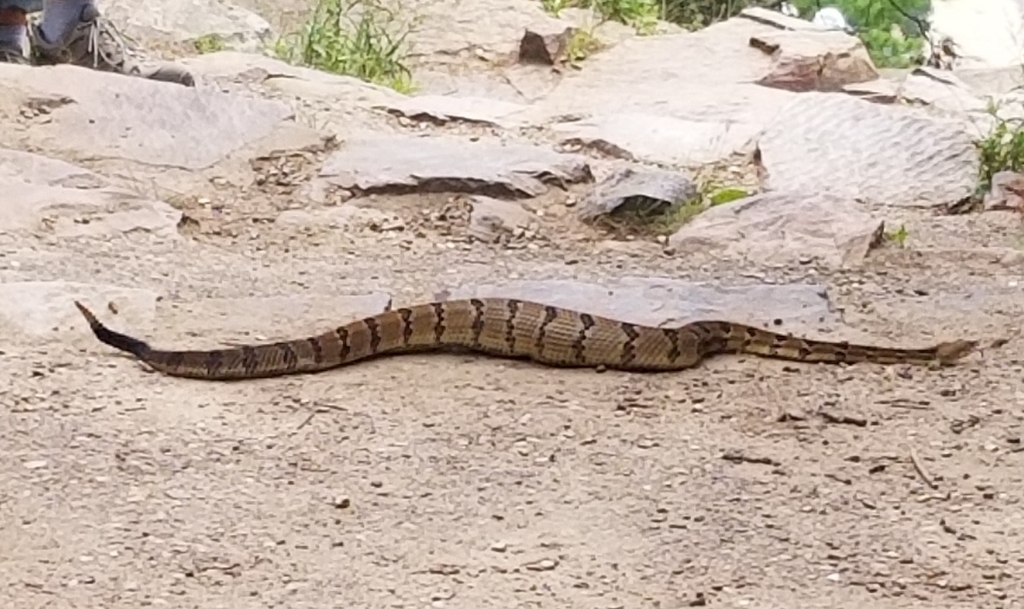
x: 542, y: 565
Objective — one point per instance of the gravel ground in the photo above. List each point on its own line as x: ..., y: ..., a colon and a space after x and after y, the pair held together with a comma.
x: 459, y: 481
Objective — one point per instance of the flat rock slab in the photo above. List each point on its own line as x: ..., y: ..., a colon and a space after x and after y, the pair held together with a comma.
x: 701, y: 75
x: 655, y: 138
x: 667, y: 302
x: 681, y: 99
x: 97, y: 116
x: 52, y: 196
x: 46, y: 310
x: 401, y: 163
x: 69, y: 212
x: 42, y: 170
x: 784, y: 228
x: 445, y: 108
x: 642, y: 190
x: 989, y: 81
x: 883, y: 155
x: 444, y: 30
x: 814, y: 61
x: 299, y: 81
x: 185, y: 20
x: 942, y: 90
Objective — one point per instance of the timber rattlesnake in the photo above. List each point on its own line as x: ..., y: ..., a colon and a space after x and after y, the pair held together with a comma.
x: 513, y: 329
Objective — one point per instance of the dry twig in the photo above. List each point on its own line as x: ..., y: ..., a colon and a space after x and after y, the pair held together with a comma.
x: 921, y: 471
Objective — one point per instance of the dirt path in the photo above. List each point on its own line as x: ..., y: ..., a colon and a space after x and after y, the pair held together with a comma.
x: 457, y: 481
x: 466, y: 482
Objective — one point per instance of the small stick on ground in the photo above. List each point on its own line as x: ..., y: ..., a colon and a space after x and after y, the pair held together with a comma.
x: 738, y: 457
x: 842, y: 419
x: 320, y: 409
x: 921, y: 471
x: 306, y: 422
x: 331, y: 407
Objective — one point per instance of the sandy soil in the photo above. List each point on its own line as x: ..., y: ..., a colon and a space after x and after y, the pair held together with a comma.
x: 456, y: 481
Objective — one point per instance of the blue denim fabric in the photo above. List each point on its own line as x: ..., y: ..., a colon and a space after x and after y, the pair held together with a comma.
x: 29, y: 6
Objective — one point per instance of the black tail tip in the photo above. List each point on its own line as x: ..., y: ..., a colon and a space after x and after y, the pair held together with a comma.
x: 89, y: 317
x: 110, y: 338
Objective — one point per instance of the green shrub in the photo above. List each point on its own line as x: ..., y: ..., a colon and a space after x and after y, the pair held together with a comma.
x: 890, y: 37
x: 642, y: 15
x: 209, y: 43
x: 1002, y: 149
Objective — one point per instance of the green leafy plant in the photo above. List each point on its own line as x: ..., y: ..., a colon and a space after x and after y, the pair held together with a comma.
x: 890, y: 31
x: 697, y: 14
x: 898, y: 236
x: 1002, y: 149
x: 209, y: 43
x: 639, y: 218
x: 555, y: 7
x: 581, y: 45
x: 636, y: 218
x: 891, y: 49
x: 642, y: 15
x: 726, y: 195
x: 358, y: 38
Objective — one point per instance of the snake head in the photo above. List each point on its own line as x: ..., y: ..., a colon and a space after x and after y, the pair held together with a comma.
x: 947, y: 353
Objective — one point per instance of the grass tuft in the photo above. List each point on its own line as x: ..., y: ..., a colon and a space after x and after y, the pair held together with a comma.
x: 360, y: 38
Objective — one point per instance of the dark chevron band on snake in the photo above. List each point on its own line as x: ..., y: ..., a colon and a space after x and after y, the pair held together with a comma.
x: 510, y: 328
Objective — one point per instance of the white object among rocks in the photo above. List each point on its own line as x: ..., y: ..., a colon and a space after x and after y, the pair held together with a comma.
x: 831, y: 18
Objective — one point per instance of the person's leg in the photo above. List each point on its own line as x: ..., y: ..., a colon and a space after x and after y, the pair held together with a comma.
x: 13, y: 33
x: 60, y: 18
x: 74, y: 31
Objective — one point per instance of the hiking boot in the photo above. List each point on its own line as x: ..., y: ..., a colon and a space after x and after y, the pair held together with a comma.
x: 95, y: 43
x: 13, y: 54
x: 13, y: 51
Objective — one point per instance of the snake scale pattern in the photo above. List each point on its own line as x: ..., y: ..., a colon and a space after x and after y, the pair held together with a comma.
x: 512, y: 328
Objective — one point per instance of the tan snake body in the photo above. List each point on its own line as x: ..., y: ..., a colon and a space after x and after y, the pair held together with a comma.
x: 511, y: 328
